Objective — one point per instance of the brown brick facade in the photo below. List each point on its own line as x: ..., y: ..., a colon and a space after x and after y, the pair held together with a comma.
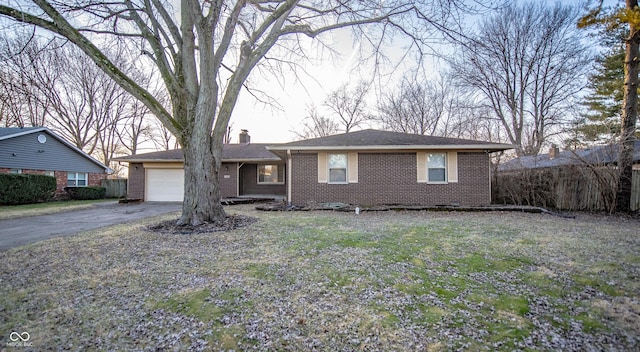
x: 135, y: 185
x: 391, y: 178
x: 228, y: 180
x: 61, y: 178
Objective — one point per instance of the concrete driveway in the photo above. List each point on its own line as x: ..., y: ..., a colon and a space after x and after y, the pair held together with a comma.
x: 18, y: 232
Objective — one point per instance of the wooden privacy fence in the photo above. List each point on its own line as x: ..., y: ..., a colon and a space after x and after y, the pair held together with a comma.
x: 572, y: 188
x: 116, y: 188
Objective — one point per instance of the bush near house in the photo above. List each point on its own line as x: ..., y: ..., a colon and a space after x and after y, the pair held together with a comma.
x: 84, y: 193
x: 25, y: 189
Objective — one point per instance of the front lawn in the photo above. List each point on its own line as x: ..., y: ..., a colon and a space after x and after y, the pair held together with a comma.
x: 328, y: 281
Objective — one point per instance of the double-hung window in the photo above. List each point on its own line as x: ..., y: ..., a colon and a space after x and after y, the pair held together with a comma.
x: 337, y: 168
x: 437, y: 167
x: 77, y: 179
x: 270, y: 174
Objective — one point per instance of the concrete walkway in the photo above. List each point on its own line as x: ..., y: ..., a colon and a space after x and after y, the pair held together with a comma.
x: 21, y: 231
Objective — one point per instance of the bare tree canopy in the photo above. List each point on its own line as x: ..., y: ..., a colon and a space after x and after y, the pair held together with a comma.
x: 205, y: 51
x: 418, y: 106
x: 349, y: 105
x: 315, y: 125
x: 53, y: 84
x: 526, y: 63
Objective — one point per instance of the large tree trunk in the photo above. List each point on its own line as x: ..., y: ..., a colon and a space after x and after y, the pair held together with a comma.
x: 629, y: 116
x: 202, y: 162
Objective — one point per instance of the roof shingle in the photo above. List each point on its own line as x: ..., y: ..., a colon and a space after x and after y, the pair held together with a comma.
x: 376, y: 138
x: 230, y: 152
x: 597, y: 155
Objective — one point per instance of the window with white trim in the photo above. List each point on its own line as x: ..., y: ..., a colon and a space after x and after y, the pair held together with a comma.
x: 50, y: 173
x: 337, y: 168
x: 77, y: 179
x: 437, y: 167
x: 270, y: 174
x: 15, y: 171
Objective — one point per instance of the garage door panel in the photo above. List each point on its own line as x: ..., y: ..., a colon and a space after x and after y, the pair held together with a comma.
x: 164, y: 185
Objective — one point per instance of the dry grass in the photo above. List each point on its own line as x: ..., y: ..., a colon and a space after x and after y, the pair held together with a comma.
x: 21, y: 211
x: 397, y: 281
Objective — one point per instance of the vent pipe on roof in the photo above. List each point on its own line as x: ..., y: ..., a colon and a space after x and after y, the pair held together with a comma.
x: 244, y: 137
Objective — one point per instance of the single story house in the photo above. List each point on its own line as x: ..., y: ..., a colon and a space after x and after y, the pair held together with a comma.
x: 38, y: 150
x: 600, y: 155
x: 366, y: 167
x: 248, y: 169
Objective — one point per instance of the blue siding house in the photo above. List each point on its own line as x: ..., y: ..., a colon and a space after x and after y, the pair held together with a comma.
x: 37, y: 150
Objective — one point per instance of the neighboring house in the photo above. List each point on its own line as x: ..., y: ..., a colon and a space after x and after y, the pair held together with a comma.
x: 594, y: 156
x: 573, y: 180
x: 37, y: 150
x: 365, y: 167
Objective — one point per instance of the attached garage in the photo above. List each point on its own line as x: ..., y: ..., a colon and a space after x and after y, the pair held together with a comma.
x: 164, y: 185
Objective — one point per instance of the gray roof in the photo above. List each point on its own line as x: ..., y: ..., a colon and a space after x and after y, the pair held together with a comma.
x: 376, y: 139
x: 10, y: 132
x: 13, y: 132
x: 597, y: 155
x: 255, y: 152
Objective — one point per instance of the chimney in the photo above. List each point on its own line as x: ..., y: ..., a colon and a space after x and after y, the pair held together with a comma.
x: 554, y: 151
x: 244, y: 137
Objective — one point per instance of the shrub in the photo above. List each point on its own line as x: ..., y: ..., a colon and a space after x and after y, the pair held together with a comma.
x: 83, y: 193
x: 25, y: 189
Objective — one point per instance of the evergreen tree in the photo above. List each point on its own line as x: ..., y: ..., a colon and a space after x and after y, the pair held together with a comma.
x: 604, y: 104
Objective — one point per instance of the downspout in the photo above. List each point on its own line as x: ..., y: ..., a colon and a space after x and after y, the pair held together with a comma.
x: 488, y: 154
x: 289, y: 172
x: 239, y: 165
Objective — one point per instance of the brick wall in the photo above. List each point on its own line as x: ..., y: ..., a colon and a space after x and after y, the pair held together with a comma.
x: 61, y: 178
x: 135, y: 185
x: 391, y: 178
x: 228, y: 180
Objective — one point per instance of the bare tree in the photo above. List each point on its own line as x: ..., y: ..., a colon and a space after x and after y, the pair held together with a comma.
x: 21, y: 101
x: 78, y: 100
x: 349, y: 105
x: 315, y: 125
x: 207, y: 54
x: 134, y: 128
x: 418, y: 106
x: 527, y: 64
x: 162, y: 137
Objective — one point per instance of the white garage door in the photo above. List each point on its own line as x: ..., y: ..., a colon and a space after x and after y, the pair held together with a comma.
x: 164, y: 185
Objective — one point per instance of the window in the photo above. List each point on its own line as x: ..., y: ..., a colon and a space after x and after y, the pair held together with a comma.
x: 337, y: 168
x: 436, y: 167
x: 15, y: 171
x: 77, y: 179
x: 50, y: 173
x: 270, y: 174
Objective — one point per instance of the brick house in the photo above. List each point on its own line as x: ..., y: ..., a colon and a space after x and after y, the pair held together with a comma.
x: 37, y: 150
x: 366, y: 167
x: 372, y: 167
